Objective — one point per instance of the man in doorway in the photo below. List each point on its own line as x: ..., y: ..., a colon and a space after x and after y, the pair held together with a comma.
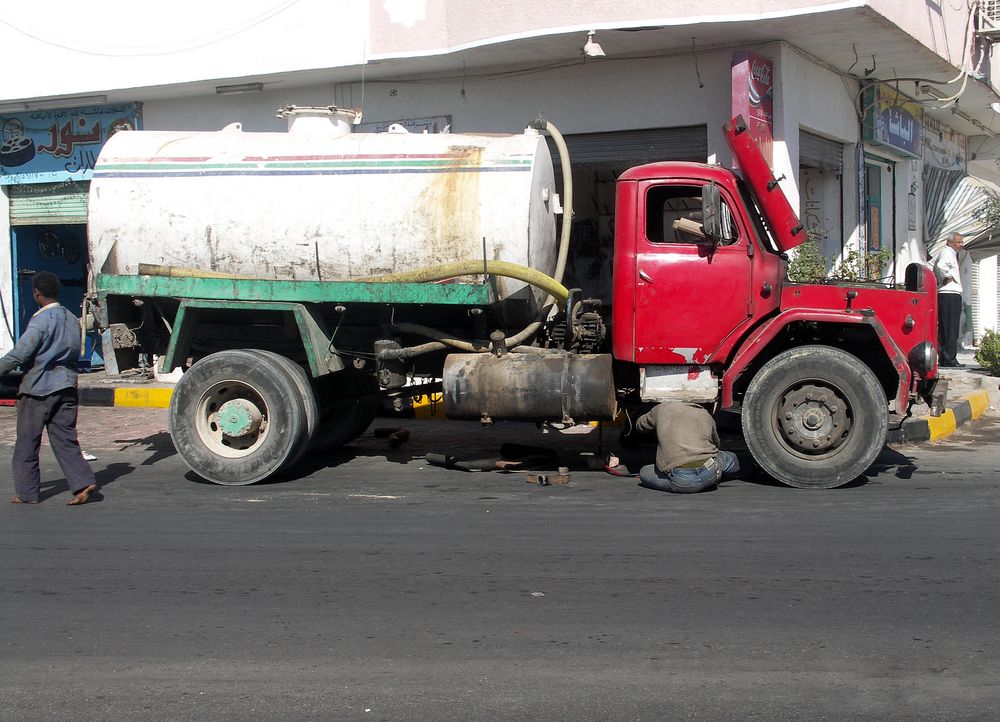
x: 688, y: 458
x: 949, y: 297
x: 48, y: 352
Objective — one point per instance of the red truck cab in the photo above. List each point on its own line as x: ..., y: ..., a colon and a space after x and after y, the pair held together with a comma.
x: 704, y: 309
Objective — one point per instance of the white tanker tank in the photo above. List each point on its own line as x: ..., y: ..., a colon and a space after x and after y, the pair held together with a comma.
x: 321, y: 203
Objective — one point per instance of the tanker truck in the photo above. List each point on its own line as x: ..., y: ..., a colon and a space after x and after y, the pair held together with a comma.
x: 301, y: 278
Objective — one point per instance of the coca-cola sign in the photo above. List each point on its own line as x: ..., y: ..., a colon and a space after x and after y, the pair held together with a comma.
x: 753, y: 96
x: 759, y: 80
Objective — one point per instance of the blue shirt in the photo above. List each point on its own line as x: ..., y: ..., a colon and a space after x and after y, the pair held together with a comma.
x: 48, y: 352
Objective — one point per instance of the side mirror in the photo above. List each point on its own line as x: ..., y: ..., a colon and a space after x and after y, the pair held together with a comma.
x: 715, y: 219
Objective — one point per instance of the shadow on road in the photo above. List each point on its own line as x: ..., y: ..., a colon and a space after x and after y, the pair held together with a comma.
x: 891, y: 460
x: 105, y: 477
x: 160, y: 444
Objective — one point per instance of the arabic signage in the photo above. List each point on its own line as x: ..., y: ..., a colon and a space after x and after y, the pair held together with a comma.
x: 753, y: 97
x: 944, y: 148
x: 51, y: 146
x: 892, y: 119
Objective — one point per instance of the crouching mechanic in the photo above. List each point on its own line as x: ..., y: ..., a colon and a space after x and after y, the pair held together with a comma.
x: 688, y: 458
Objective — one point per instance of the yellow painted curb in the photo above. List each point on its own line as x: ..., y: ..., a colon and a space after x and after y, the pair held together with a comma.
x: 978, y: 403
x: 941, y: 426
x: 149, y: 398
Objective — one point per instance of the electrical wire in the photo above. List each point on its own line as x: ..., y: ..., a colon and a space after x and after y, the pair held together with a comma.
x: 152, y: 51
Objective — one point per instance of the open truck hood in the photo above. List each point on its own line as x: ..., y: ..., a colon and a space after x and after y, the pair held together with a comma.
x: 785, y: 225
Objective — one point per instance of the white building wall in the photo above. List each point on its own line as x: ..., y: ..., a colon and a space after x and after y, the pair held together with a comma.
x: 988, y: 310
x: 588, y: 97
x: 136, y: 46
x: 604, y: 95
x: 816, y: 99
x: 194, y: 41
x: 601, y: 95
x: 909, y: 244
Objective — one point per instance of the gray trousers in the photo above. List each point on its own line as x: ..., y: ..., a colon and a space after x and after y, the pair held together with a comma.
x: 56, y: 413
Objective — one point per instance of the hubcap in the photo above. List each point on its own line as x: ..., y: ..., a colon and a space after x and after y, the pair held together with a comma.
x: 239, y: 417
x: 232, y: 419
x: 813, y: 419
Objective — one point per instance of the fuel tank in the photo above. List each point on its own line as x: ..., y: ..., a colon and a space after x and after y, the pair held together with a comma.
x: 319, y: 202
x: 557, y: 387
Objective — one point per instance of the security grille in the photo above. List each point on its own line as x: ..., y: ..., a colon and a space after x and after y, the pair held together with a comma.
x: 991, y: 10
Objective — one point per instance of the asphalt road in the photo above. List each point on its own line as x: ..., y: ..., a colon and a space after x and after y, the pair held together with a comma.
x: 378, y: 587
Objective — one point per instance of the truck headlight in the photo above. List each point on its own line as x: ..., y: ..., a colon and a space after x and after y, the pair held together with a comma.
x: 922, y: 357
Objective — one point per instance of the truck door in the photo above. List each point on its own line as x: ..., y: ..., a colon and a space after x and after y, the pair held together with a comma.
x: 690, y: 294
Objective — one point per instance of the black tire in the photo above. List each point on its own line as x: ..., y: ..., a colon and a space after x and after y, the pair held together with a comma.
x: 302, y: 383
x: 342, y: 423
x: 815, y: 417
x: 255, y: 387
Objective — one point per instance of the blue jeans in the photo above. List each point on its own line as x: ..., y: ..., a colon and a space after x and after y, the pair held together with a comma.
x: 691, y: 481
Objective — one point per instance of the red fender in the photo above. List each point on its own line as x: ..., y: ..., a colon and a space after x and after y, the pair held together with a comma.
x: 762, y: 337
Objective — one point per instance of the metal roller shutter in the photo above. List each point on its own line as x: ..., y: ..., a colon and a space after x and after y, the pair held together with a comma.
x: 48, y: 203
x: 821, y: 153
x: 624, y: 149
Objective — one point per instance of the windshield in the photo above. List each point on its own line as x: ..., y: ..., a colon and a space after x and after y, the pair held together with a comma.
x: 759, y: 224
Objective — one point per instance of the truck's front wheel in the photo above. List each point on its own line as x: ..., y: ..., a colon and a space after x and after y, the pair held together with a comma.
x: 237, y: 417
x: 815, y: 417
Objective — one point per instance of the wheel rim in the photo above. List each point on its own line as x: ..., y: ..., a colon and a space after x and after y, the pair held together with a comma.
x: 232, y: 419
x: 813, y: 419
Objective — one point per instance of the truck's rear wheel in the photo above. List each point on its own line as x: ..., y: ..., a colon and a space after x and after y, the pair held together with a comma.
x: 815, y: 417
x: 236, y: 417
x: 343, y: 422
x: 301, y: 381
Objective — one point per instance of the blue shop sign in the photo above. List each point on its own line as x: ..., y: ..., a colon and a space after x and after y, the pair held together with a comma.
x: 51, y: 146
x: 893, y: 120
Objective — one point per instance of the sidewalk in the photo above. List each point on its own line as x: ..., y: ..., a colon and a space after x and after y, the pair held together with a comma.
x: 134, y: 390
x: 971, y: 392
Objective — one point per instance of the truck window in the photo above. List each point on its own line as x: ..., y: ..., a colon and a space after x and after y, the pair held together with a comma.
x: 673, y: 215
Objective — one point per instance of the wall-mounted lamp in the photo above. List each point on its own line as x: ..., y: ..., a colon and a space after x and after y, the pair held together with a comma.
x: 933, y: 92
x: 972, y: 121
x: 593, y: 49
x: 239, y: 89
x: 68, y: 102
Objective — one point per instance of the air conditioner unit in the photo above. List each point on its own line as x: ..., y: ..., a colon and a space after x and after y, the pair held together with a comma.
x: 989, y: 25
x: 991, y: 11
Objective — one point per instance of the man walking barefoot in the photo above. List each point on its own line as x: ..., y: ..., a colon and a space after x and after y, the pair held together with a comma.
x: 48, y: 352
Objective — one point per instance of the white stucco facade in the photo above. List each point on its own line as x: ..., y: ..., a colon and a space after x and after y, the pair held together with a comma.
x: 496, y: 67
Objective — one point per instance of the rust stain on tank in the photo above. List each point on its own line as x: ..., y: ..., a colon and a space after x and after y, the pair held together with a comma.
x: 449, y: 209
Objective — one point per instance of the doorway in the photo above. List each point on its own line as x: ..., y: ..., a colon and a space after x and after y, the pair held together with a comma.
x: 60, y: 249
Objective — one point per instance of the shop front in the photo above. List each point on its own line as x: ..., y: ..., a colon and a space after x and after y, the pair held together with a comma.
x: 46, y: 160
